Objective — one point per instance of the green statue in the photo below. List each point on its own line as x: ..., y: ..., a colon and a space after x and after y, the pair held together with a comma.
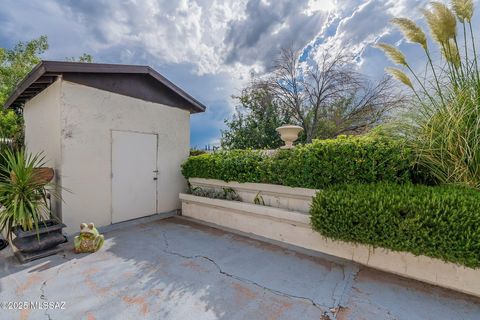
x: 89, y: 240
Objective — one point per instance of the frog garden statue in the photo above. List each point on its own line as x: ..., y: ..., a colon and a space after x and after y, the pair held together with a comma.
x: 89, y: 240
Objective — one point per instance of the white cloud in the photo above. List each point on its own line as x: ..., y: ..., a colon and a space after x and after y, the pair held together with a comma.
x: 319, y: 5
x: 360, y: 24
x: 185, y: 31
x: 209, y: 47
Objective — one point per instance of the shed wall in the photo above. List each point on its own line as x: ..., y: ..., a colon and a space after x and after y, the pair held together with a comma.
x: 88, y: 116
x: 42, y: 130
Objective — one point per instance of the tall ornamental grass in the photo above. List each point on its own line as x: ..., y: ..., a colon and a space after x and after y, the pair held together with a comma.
x: 444, y: 127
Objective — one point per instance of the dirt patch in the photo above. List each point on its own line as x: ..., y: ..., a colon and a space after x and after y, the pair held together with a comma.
x: 91, y: 271
x: 24, y: 314
x: 342, y: 313
x: 139, y: 301
x: 89, y: 282
x: 243, y: 293
x: 90, y: 316
x: 95, y: 288
x: 194, y: 266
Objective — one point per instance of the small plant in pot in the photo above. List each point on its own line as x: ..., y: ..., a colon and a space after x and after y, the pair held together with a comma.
x: 25, y: 189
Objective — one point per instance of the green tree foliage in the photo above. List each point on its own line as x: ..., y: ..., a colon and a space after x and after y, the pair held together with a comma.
x: 254, y: 124
x: 17, y: 62
x: 11, y: 126
x: 436, y: 221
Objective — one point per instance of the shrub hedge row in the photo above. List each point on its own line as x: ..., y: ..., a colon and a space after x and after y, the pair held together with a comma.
x: 437, y: 221
x: 316, y: 165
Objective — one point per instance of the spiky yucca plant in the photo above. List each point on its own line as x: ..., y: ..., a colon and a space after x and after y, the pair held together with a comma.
x: 444, y: 126
x: 22, y: 195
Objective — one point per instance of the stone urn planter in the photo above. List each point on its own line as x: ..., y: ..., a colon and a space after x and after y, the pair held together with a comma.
x: 289, y: 134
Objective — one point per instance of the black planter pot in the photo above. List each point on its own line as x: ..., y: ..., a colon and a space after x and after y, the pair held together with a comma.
x: 3, y: 243
x: 49, y: 235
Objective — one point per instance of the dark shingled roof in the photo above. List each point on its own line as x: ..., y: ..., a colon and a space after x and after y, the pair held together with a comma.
x: 131, y: 80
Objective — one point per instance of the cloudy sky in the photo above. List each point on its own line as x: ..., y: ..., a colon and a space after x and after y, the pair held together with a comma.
x: 208, y: 47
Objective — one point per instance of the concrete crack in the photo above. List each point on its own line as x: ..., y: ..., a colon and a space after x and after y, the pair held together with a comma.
x: 44, y: 285
x: 348, y: 280
x: 324, y: 309
x: 334, y: 299
x: 42, y: 297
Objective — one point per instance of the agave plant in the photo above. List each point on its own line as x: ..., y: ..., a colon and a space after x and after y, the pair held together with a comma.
x: 23, y: 195
x: 444, y: 125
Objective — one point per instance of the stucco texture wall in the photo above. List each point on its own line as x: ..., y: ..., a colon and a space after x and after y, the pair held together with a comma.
x: 86, y: 117
x: 42, y: 131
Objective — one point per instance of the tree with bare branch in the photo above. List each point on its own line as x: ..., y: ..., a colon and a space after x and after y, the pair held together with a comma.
x: 326, y: 97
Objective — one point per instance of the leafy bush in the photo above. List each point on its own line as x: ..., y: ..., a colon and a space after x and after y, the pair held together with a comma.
x: 225, y: 193
x: 316, y: 165
x: 235, y: 165
x: 437, y: 221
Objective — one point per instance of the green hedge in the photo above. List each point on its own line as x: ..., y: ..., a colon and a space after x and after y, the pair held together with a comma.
x: 439, y: 221
x: 316, y: 165
x: 235, y: 165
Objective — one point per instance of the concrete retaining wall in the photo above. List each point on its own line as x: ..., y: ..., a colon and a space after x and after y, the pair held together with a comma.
x: 295, y: 199
x: 293, y: 228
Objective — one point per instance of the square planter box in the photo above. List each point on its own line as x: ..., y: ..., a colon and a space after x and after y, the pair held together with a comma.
x: 32, y: 245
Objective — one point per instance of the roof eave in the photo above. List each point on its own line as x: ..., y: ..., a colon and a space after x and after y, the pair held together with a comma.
x: 56, y: 68
x: 194, y: 102
x: 34, y: 75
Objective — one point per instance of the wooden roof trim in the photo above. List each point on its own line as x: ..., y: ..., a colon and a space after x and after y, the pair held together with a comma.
x: 46, y: 72
x: 34, y: 75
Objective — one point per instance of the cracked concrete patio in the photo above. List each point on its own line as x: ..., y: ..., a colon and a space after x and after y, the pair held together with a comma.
x: 175, y: 269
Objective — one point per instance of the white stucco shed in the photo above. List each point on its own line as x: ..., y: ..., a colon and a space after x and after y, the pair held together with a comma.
x: 116, y: 136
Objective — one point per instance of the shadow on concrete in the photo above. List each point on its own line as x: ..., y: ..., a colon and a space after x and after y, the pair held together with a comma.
x: 175, y: 269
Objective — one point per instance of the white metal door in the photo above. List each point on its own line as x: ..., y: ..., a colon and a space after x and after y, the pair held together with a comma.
x: 134, y: 175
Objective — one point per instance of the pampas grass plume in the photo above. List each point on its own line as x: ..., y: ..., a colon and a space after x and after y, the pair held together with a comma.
x: 393, y: 53
x: 400, y: 76
x: 411, y: 31
x: 442, y: 22
x: 463, y: 9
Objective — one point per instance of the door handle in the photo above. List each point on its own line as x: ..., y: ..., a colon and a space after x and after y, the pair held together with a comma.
x: 155, y: 171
